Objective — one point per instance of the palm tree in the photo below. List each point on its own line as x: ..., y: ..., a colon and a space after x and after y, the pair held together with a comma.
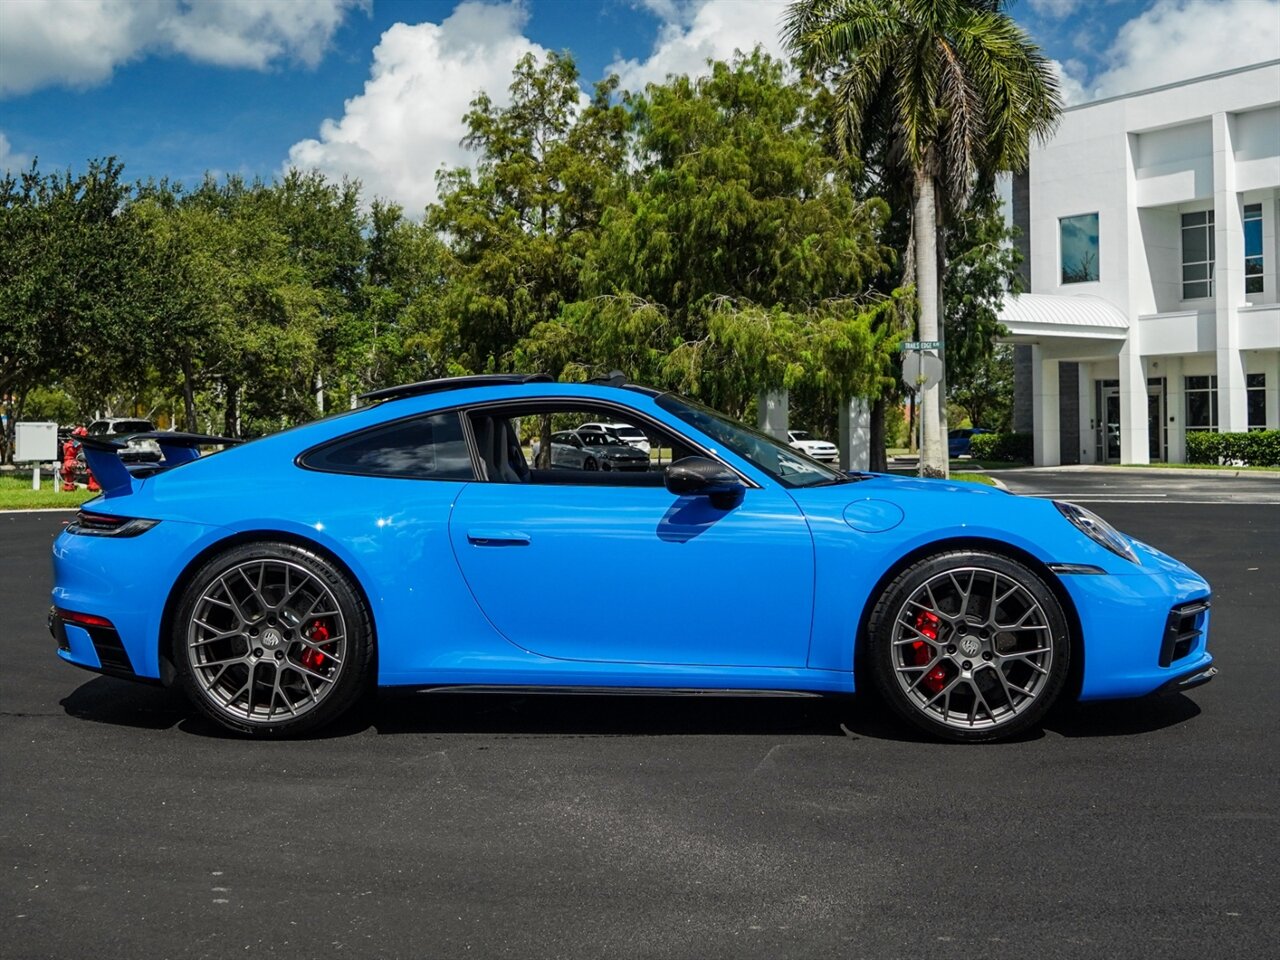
x: 959, y: 90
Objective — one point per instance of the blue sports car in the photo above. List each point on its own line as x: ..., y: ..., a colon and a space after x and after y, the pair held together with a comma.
x: 418, y: 541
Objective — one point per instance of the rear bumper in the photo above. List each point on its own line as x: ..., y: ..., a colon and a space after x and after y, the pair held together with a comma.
x: 125, y: 582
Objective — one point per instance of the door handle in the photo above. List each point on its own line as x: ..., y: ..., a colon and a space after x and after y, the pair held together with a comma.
x: 498, y: 538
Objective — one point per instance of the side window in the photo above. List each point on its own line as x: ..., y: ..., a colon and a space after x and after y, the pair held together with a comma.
x: 424, y: 448
x: 548, y: 442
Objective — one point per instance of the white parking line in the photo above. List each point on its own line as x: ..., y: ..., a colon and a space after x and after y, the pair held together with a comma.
x: 1197, y: 503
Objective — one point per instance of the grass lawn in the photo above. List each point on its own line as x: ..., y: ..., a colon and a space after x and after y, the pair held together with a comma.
x: 974, y: 478
x: 16, y: 494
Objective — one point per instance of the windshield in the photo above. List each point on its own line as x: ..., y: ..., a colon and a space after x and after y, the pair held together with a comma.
x: 630, y: 433
x: 800, y: 435
x: 785, y: 464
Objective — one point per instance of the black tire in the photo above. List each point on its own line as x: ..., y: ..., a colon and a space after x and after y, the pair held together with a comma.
x: 1000, y: 664
x: 322, y: 658
x: 589, y: 463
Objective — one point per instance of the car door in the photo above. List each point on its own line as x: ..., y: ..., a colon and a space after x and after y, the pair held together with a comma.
x: 729, y: 587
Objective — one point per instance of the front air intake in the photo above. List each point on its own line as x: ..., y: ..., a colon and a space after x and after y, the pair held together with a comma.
x: 1181, y: 631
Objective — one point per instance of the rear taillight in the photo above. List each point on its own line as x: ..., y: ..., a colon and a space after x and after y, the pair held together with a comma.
x: 83, y: 619
x: 90, y: 524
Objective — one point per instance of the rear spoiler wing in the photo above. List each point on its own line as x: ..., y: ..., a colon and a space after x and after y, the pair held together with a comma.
x: 103, y: 456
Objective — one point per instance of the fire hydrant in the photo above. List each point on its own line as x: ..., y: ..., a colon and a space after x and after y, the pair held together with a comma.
x: 69, y: 465
x: 92, y: 483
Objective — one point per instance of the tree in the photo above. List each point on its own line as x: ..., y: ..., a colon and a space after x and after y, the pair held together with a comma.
x: 737, y: 259
x: 959, y: 89
x: 70, y: 256
x: 980, y: 267
x: 519, y: 226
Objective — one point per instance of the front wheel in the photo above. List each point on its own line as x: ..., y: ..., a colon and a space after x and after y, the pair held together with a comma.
x: 272, y: 639
x: 969, y: 645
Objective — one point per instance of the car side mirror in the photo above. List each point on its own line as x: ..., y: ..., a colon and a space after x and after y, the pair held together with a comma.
x: 700, y: 477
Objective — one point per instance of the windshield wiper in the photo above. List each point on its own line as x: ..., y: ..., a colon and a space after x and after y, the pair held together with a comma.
x: 845, y: 478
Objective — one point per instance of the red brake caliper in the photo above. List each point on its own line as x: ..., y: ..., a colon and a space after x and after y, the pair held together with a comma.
x: 312, y: 658
x: 921, y: 653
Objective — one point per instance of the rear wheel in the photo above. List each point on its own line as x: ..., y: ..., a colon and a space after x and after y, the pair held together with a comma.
x: 969, y: 645
x: 273, y: 640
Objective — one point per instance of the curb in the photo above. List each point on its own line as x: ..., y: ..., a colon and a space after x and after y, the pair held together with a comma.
x: 38, y: 510
x: 1170, y: 472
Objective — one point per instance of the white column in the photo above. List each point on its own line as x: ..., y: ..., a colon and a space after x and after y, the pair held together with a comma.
x: 855, y: 434
x: 1175, y: 409
x: 772, y: 412
x: 1273, y: 390
x: 1044, y: 409
x: 1228, y: 279
x: 1085, y: 406
x: 1134, y: 447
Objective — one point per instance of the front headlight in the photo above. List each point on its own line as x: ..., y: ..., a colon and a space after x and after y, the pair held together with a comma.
x: 1097, y: 530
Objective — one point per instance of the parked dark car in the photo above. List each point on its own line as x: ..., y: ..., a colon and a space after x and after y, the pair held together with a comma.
x: 958, y: 440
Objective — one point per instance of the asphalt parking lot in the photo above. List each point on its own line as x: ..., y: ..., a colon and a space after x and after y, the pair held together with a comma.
x: 489, y: 826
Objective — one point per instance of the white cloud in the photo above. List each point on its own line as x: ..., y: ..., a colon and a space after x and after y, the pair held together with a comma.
x: 1072, y: 89
x: 79, y: 44
x: 1178, y: 39
x: 11, y: 162
x: 255, y: 33
x: 1056, y: 9
x: 407, y: 123
x: 695, y: 31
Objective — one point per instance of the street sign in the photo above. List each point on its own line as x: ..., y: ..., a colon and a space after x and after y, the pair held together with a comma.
x: 920, y: 371
x: 921, y: 345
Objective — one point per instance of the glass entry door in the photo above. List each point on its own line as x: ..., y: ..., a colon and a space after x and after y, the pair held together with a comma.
x: 1157, y: 433
x: 1108, y: 438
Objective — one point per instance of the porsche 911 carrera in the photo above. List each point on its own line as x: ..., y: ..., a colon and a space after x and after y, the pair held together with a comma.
x: 418, y: 541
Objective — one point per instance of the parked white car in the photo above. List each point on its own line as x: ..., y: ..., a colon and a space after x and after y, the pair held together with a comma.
x: 622, y: 431
x: 805, y: 442
x: 137, y: 450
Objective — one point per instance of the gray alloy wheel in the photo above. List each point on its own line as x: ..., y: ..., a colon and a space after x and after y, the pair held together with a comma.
x: 589, y: 463
x: 969, y: 646
x: 272, y: 639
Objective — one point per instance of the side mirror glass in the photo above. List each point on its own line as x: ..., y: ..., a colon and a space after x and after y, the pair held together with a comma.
x: 698, y: 476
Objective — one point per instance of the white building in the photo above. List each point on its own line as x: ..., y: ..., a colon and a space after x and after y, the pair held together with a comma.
x: 1149, y: 237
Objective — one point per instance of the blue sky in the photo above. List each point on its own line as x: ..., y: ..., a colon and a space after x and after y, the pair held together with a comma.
x: 375, y: 89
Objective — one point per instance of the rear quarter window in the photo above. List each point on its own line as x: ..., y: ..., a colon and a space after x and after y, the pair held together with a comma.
x: 424, y: 448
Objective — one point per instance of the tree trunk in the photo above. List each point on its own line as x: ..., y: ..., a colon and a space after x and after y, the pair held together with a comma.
x: 232, y: 418
x: 543, y: 460
x: 188, y: 396
x: 933, y: 452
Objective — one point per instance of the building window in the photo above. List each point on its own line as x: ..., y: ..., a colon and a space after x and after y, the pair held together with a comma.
x: 1202, y: 402
x: 1253, y: 248
x: 1256, y: 400
x: 1197, y: 255
x: 1078, y: 242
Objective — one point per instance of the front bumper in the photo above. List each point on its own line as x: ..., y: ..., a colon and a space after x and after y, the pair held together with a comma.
x: 1188, y: 681
x: 1144, y: 631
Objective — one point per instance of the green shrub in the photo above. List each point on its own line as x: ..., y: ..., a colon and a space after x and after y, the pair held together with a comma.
x: 1258, y: 448
x: 1203, y: 446
x: 1005, y: 447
